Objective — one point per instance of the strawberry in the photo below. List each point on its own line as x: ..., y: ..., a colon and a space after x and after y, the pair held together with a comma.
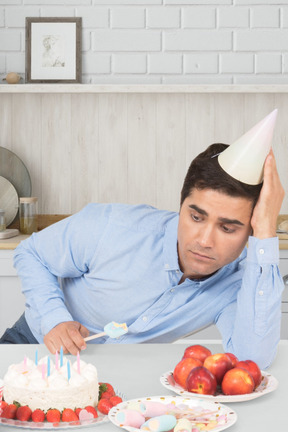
x: 104, y: 406
x: 68, y: 415
x: 3, y: 404
x: 115, y: 400
x: 23, y: 413
x: 77, y: 411
x: 38, y: 416
x: 105, y: 387
x: 91, y: 410
x: 106, y: 395
x: 53, y: 415
x: 9, y: 411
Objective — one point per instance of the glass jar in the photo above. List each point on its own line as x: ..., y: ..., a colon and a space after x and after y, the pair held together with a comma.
x: 2, y: 220
x: 28, y: 212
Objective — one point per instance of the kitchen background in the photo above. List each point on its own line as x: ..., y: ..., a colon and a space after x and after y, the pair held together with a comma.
x: 163, y: 80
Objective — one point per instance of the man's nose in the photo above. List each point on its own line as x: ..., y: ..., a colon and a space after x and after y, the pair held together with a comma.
x: 206, y: 236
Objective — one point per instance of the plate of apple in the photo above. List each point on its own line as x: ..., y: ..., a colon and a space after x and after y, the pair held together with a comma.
x: 220, y: 377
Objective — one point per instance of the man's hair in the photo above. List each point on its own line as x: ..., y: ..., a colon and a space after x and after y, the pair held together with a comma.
x: 206, y: 173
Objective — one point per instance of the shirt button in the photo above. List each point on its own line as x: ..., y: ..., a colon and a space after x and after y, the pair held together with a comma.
x: 144, y: 318
x: 260, y: 292
x: 177, y: 271
x: 261, y: 251
x: 167, y: 266
x: 172, y: 290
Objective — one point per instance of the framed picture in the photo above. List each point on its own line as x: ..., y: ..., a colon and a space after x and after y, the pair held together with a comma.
x: 53, y: 50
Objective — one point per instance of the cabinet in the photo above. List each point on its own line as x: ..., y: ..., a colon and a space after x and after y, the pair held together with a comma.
x: 12, y: 301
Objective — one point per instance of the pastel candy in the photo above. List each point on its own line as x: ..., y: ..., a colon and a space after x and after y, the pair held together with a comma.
x: 162, y: 423
x: 154, y: 409
x: 129, y: 417
x: 182, y: 425
x: 137, y: 406
x: 115, y: 330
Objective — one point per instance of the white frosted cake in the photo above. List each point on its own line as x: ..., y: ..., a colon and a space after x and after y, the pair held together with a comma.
x: 47, y: 385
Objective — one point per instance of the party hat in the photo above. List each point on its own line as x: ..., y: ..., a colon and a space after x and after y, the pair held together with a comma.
x: 244, y: 159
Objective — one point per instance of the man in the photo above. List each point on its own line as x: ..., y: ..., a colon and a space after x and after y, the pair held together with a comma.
x: 165, y: 274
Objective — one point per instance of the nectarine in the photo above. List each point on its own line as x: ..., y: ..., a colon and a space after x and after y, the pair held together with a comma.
x: 183, y: 368
x: 253, y: 368
x: 202, y: 381
x: 197, y: 351
x: 237, y: 381
x: 218, y: 364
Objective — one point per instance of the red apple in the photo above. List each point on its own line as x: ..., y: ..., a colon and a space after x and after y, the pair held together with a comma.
x: 218, y: 364
x: 202, y: 381
x: 253, y: 368
x: 237, y: 381
x: 183, y: 368
x: 233, y: 358
x: 197, y: 351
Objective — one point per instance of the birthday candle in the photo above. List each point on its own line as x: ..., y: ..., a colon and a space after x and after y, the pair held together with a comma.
x: 48, y: 366
x: 25, y: 362
x: 36, y: 357
x: 56, y: 360
x: 78, y: 362
x: 43, y: 371
x: 68, y: 370
x: 61, y: 356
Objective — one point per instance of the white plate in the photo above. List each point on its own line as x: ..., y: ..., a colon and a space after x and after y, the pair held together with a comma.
x: 61, y: 425
x: 267, y: 385
x: 224, y: 415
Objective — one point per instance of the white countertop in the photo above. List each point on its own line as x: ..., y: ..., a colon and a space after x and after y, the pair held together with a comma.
x: 135, y: 370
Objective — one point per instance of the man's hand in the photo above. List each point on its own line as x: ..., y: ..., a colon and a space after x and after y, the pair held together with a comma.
x: 266, y: 211
x: 70, y: 335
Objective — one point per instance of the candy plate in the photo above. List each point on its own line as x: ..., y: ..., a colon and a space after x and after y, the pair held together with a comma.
x: 267, y: 385
x: 198, y: 411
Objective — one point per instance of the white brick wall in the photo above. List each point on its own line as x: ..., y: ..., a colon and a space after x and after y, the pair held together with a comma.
x: 162, y: 41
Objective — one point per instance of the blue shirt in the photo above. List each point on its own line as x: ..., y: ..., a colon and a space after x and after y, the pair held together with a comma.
x: 115, y: 262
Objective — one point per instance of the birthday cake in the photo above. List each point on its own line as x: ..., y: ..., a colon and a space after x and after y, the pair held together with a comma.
x: 46, y: 384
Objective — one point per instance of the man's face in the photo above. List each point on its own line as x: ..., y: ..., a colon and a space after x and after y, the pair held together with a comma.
x: 213, y: 230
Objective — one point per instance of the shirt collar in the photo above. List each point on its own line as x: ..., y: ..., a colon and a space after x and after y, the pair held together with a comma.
x: 170, y: 252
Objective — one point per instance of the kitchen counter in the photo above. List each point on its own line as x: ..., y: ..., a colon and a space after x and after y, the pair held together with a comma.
x: 13, y: 242
x: 135, y: 370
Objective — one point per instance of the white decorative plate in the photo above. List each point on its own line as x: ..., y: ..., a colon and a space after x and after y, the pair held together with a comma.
x: 267, y: 385
x: 222, y: 415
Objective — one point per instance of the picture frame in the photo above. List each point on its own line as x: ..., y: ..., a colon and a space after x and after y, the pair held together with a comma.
x: 53, y: 50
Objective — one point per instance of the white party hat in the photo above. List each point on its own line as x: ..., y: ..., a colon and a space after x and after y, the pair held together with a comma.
x: 244, y: 159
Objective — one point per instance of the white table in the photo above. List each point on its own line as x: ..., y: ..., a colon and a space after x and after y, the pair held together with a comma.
x: 135, y: 371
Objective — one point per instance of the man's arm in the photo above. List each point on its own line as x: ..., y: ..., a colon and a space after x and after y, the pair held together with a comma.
x: 63, y: 250
x: 266, y: 211
x: 251, y: 326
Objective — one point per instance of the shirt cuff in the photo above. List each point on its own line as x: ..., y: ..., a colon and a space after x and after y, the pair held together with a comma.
x: 263, y: 251
x: 51, y: 319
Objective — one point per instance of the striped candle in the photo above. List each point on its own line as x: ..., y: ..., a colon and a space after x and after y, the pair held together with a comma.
x: 78, y: 362
x: 36, y: 357
x: 68, y: 370
x: 48, y: 366
x: 61, y: 356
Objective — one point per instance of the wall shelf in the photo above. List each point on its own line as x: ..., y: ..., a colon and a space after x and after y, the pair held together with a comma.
x: 139, y: 88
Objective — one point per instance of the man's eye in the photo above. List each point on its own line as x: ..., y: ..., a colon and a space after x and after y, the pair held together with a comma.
x: 195, y: 218
x: 227, y: 229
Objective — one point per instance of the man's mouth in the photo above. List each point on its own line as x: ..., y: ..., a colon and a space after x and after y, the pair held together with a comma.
x: 202, y: 257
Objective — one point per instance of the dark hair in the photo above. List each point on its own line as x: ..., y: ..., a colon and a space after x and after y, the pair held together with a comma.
x: 206, y: 173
